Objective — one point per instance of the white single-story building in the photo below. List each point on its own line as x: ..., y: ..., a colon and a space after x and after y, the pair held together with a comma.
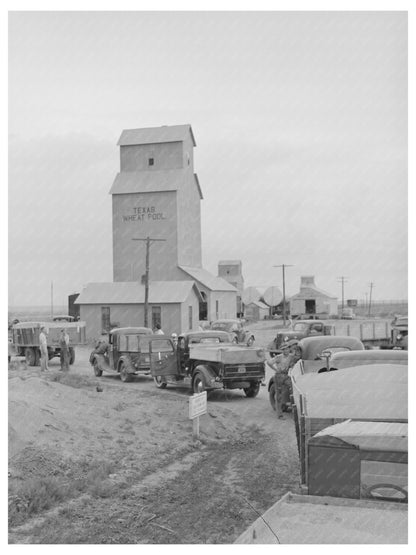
x: 172, y: 304
x: 311, y: 300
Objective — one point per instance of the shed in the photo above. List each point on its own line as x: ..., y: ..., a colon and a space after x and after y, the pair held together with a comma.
x: 312, y: 300
x: 256, y: 311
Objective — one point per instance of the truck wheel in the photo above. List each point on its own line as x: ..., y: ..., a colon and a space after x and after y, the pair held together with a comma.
x: 124, y: 375
x: 271, y: 397
x: 97, y: 371
x: 71, y: 355
x: 252, y: 390
x: 159, y: 382
x: 198, y: 384
x: 250, y: 341
x: 30, y: 356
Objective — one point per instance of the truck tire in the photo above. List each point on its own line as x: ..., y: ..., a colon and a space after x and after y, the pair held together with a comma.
x: 124, y: 375
x: 159, y: 382
x: 198, y: 383
x: 97, y: 371
x: 253, y: 390
x: 30, y: 356
x: 250, y: 341
x: 71, y: 355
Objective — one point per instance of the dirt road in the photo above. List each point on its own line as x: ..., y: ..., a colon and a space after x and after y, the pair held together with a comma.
x: 120, y: 465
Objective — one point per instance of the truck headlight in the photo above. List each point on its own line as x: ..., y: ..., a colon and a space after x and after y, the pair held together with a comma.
x: 399, y: 337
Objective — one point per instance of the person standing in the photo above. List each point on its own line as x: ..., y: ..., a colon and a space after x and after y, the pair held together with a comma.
x: 64, y: 346
x: 281, y: 365
x: 158, y: 330
x: 43, y: 344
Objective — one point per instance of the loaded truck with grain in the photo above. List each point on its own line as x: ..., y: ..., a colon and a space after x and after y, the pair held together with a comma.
x: 206, y: 361
x: 25, y: 339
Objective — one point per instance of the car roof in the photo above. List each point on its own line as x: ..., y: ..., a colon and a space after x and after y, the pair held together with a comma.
x: 310, y: 321
x: 207, y: 333
x: 139, y: 330
x: 226, y: 320
x: 312, y: 346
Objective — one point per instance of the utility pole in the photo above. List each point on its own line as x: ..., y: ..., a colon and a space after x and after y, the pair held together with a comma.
x: 51, y: 300
x: 369, y: 302
x: 342, y: 280
x: 283, y: 266
x: 148, y: 241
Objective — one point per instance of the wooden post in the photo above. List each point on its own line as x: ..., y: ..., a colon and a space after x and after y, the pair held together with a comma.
x: 195, y: 428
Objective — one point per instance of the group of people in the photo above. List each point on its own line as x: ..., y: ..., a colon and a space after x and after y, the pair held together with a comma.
x: 64, y: 349
x: 281, y: 364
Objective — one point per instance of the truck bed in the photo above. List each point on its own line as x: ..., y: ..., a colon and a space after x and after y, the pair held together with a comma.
x: 308, y: 519
x: 229, y: 354
x: 27, y: 333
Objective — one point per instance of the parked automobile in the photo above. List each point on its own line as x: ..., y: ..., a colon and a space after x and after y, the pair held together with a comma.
x: 235, y: 327
x: 315, y: 355
x: 206, y: 360
x: 349, y: 359
x: 299, y: 330
x: 127, y: 353
x: 317, y: 352
x: 63, y: 318
x: 399, y: 333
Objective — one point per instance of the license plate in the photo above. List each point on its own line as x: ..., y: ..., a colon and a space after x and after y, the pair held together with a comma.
x: 241, y: 369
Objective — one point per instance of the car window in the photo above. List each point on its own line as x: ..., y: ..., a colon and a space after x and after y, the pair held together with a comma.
x: 317, y: 327
x: 209, y: 340
x: 161, y: 346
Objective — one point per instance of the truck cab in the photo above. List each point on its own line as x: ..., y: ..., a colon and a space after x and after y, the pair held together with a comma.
x: 205, y: 361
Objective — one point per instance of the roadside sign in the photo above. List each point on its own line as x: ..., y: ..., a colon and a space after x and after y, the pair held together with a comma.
x: 197, y: 404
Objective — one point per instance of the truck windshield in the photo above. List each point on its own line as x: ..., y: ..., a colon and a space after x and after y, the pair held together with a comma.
x: 300, y: 327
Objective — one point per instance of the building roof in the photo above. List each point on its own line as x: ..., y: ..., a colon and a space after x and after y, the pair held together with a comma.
x: 259, y: 304
x: 153, y: 135
x: 229, y: 263
x: 147, y: 181
x: 132, y: 292
x: 208, y: 280
x: 311, y: 292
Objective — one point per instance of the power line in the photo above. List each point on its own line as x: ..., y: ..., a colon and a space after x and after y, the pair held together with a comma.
x: 369, y: 302
x: 283, y: 266
x: 148, y: 241
x: 342, y: 280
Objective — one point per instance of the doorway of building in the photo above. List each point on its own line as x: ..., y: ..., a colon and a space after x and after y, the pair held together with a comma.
x: 310, y: 306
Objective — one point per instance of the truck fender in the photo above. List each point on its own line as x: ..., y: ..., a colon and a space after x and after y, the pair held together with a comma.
x: 208, y: 374
x: 127, y: 361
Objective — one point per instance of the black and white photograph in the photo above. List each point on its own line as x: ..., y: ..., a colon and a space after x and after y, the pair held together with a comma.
x: 207, y: 274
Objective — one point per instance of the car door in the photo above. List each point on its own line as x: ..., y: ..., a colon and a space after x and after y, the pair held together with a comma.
x: 163, y: 360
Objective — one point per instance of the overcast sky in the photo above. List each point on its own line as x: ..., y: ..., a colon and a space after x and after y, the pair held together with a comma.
x: 300, y: 121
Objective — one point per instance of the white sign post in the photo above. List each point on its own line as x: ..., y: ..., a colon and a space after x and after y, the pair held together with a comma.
x: 197, y: 407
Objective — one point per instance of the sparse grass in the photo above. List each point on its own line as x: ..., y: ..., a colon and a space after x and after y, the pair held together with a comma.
x: 73, y: 380
x: 40, y: 494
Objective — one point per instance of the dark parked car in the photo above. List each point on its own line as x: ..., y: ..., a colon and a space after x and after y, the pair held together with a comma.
x: 316, y: 355
x: 127, y: 353
x: 299, y: 330
x: 236, y: 328
x: 399, y: 333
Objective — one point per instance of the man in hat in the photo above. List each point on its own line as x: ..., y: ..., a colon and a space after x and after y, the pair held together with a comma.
x: 281, y: 365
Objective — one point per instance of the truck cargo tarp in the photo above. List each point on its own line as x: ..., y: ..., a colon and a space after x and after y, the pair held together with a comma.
x: 368, y: 392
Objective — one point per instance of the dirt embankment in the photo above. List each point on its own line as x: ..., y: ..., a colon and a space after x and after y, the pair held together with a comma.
x: 120, y: 465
